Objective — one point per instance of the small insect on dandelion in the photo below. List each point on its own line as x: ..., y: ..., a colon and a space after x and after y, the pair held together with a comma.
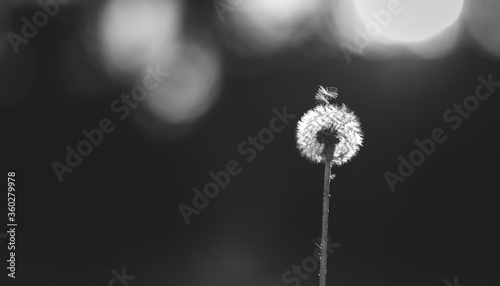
x: 330, y: 134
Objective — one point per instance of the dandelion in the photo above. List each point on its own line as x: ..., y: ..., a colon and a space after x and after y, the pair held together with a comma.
x: 329, y: 134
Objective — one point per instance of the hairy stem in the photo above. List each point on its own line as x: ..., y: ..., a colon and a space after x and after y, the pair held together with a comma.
x: 324, y: 234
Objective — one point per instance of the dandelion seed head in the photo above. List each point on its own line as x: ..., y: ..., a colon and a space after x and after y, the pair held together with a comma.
x: 329, y: 130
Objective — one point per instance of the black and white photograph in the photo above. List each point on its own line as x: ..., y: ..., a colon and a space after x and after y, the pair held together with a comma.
x: 250, y: 142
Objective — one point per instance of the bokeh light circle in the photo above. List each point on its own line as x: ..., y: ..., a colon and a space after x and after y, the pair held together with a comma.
x: 408, y: 20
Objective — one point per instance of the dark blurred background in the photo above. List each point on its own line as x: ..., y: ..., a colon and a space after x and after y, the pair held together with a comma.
x: 400, y: 65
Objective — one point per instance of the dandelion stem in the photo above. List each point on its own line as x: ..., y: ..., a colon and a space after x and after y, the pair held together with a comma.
x: 324, y: 234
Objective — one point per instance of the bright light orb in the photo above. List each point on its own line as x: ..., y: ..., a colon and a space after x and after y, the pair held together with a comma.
x: 408, y: 20
x: 134, y: 34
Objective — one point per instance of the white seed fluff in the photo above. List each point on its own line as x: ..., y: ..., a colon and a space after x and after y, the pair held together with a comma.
x: 328, y: 116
